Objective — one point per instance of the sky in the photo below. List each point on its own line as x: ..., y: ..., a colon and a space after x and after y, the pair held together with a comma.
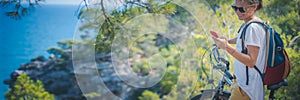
x: 70, y: 2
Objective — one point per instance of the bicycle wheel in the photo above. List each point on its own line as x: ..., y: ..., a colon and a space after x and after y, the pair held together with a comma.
x: 207, y: 94
x: 224, y: 96
x: 197, y: 97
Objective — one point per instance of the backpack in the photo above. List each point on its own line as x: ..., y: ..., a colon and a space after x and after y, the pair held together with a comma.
x: 277, y: 65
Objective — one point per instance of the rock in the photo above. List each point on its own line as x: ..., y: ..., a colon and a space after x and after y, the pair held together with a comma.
x: 15, y: 74
x: 59, y: 87
x: 39, y: 58
x: 22, y: 67
x: 57, y: 80
x: 58, y: 77
x: 7, y: 81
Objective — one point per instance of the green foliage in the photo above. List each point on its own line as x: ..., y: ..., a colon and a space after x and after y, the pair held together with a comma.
x: 291, y: 92
x: 26, y: 89
x: 282, y: 15
x: 148, y: 95
x: 141, y: 68
x: 92, y: 95
x: 114, y: 23
x: 169, y: 80
x: 64, y: 47
x: 58, y: 53
x: 285, y: 14
x: 67, y: 44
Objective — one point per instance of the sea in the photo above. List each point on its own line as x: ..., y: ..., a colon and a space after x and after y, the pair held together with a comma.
x: 31, y: 36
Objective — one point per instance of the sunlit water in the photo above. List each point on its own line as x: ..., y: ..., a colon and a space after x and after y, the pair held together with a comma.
x: 29, y: 37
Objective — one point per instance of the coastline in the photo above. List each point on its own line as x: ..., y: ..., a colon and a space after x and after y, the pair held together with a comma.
x: 30, y: 37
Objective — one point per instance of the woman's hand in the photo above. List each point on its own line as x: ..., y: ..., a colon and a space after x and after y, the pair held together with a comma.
x: 221, y: 42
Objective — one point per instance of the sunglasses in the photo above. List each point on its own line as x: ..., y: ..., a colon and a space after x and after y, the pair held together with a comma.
x: 241, y: 9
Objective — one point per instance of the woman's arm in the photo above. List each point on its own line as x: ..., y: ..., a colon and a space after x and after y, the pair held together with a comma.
x: 232, y: 41
x: 247, y: 59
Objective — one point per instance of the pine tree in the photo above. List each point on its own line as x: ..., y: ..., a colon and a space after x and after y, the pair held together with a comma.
x: 148, y: 95
x: 26, y: 89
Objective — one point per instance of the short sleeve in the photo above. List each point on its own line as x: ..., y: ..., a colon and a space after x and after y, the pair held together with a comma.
x: 255, y: 34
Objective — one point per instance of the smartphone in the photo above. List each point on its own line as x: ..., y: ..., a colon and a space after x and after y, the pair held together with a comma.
x: 214, y: 34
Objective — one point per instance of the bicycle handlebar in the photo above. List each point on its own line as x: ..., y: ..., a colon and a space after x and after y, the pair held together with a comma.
x: 228, y: 75
x: 216, y: 55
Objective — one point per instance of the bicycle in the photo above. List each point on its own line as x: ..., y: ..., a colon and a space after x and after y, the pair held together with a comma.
x: 218, y: 93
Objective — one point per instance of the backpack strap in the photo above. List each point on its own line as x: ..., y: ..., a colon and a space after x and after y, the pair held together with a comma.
x: 245, y: 50
x: 261, y: 74
x: 268, y: 36
x: 240, y: 28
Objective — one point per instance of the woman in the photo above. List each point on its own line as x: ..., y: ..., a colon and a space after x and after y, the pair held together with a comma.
x: 254, y: 42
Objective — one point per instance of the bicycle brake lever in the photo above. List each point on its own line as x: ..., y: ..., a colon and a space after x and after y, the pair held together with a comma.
x: 225, y: 61
x: 219, y: 66
x: 215, y: 45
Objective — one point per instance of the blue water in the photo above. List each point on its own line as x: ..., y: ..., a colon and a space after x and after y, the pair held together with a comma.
x: 22, y: 40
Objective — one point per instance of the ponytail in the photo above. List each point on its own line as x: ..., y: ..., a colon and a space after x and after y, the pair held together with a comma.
x: 260, y: 5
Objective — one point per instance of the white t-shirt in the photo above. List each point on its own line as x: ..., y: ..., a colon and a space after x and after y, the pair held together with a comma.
x: 255, y: 36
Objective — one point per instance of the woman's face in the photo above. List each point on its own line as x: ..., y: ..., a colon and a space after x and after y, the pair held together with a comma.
x: 244, y: 10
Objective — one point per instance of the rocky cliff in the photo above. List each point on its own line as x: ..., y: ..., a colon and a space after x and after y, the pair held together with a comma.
x: 59, y: 78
